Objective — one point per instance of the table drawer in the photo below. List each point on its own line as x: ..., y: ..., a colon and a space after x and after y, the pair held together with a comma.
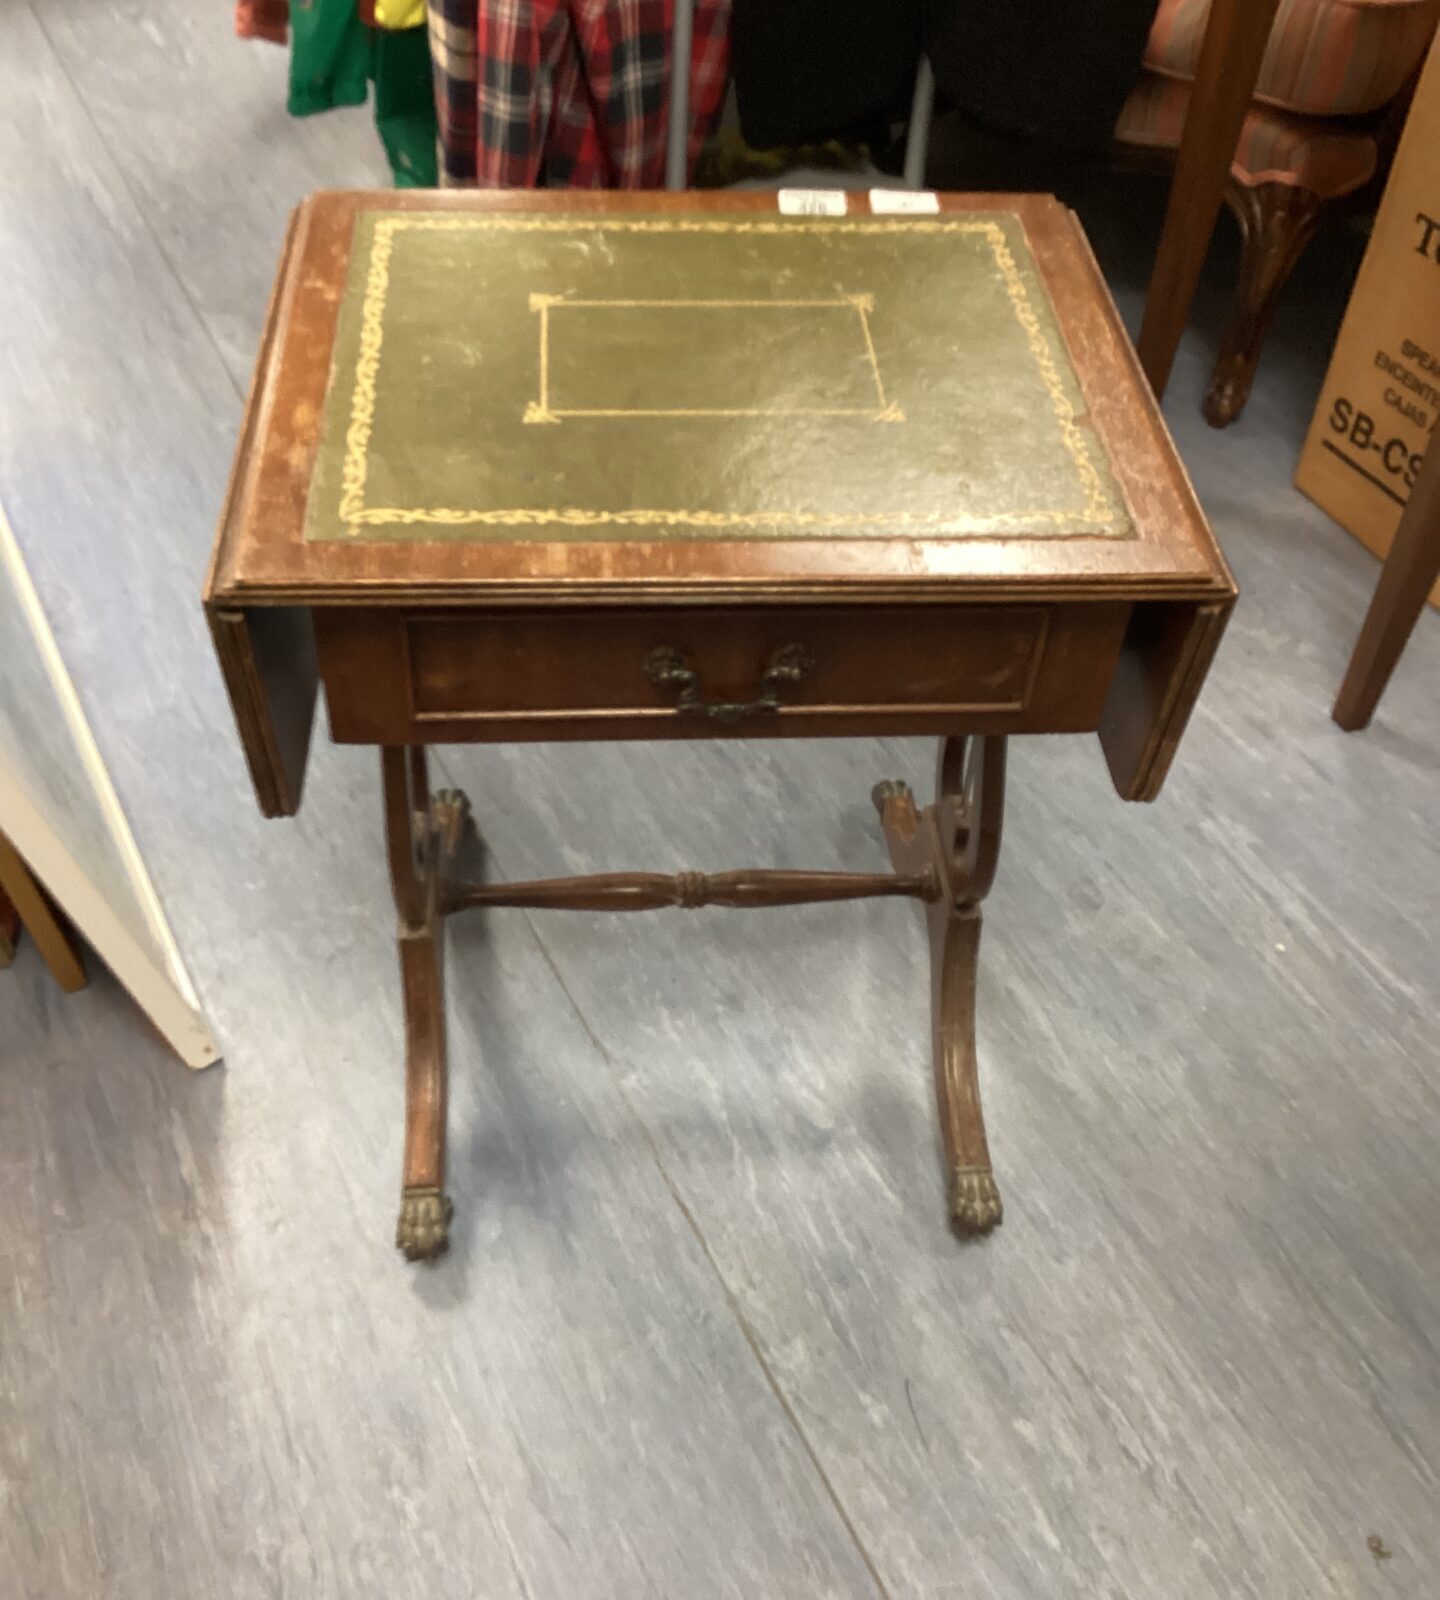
x: 711, y: 672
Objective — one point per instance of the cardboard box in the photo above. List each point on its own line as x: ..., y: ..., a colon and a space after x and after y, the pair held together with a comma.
x: 1381, y: 396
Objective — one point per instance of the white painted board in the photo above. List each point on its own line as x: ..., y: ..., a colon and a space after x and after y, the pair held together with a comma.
x: 59, y: 809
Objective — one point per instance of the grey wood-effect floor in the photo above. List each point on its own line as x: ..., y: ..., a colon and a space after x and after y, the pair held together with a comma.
x: 703, y: 1332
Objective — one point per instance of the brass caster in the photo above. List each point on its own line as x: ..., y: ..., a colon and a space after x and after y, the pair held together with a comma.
x: 974, y: 1202
x: 423, y: 1231
x: 890, y: 789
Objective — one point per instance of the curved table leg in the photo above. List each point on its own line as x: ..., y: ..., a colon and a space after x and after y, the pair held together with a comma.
x: 423, y: 834
x: 975, y: 1206
x: 959, y: 838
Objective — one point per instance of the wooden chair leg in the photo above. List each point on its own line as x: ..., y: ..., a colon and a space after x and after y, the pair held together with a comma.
x: 423, y: 835
x: 959, y: 839
x: 52, y: 939
x: 1406, y: 579
x: 1236, y: 34
x: 9, y: 929
x: 1277, y: 221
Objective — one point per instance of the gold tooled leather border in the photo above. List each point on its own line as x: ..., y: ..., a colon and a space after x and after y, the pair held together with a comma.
x: 1097, y: 511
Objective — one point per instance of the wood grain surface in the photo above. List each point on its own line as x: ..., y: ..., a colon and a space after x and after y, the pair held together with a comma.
x: 701, y: 1332
x: 395, y: 675
x: 432, y: 677
x: 262, y: 555
x: 1233, y: 47
x: 1410, y: 571
x: 23, y: 903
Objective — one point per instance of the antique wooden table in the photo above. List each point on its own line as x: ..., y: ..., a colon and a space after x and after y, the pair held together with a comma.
x: 525, y: 466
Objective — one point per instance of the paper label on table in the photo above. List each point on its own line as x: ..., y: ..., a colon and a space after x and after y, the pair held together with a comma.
x: 904, y: 202
x: 812, y: 202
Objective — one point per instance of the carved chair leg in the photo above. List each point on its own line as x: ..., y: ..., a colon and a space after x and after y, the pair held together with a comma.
x: 1277, y: 221
x: 423, y: 835
x: 958, y: 838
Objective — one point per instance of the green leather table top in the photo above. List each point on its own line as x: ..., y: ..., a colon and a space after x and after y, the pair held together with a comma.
x: 515, y: 376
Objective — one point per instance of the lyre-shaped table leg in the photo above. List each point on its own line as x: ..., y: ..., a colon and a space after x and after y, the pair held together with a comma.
x: 423, y: 834
x: 959, y: 838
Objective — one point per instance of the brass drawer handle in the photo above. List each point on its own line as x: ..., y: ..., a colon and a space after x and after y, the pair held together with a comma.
x: 666, y: 669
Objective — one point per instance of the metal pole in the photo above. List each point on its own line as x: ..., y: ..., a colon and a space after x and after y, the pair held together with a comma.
x: 917, y: 136
x: 677, y: 134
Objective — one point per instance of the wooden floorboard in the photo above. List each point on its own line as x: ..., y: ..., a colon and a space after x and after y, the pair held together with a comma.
x: 704, y: 1332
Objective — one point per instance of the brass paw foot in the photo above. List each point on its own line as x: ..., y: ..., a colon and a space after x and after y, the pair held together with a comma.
x: 974, y: 1202
x: 423, y: 1231
x: 890, y: 789
x: 451, y: 810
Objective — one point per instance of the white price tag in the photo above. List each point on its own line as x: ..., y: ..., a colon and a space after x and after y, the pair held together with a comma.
x: 904, y: 202
x: 812, y: 202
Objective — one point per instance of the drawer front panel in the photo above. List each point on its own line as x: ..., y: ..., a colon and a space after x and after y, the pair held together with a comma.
x: 559, y: 664
x: 436, y: 676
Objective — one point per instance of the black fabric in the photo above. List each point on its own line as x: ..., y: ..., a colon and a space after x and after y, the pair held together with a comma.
x: 809, y: 70
x: 1053, y: 70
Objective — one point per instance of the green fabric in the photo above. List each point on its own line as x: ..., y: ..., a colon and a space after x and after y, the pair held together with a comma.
x: 405, y: 104
x: 504, y: 376
x: 333, y: 59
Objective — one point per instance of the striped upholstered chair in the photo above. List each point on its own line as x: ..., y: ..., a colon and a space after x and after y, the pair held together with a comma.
x: 1314, y: 139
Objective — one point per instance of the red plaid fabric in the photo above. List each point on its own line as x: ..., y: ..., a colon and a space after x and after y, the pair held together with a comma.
x: 263, y: 19
x: 568, y: 93
x: 452, y: 57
